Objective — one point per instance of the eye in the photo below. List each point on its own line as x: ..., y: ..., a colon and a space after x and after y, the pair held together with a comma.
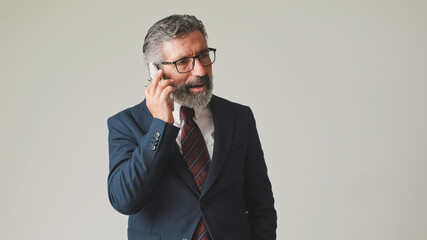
x: 204, y: 55
x: 183, y: 62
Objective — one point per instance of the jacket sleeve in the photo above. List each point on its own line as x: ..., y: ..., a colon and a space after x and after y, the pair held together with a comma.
x: 136, y: 160
x: 258, y: 191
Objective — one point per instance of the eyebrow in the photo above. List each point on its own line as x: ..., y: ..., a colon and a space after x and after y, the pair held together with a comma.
x: 198, y: 53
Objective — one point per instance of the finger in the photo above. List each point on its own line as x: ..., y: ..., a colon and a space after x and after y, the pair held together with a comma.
x: 156, y: 78
x: 162, y: 85
x: 166, y: 93
x: 148, y: 90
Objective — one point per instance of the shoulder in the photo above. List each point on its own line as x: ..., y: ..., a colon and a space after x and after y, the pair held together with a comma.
x: 137, y: 115
x: 222, y: 104
x: 130, y: 111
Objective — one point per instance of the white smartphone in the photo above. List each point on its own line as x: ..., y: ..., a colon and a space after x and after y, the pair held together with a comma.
x: 152, y: 69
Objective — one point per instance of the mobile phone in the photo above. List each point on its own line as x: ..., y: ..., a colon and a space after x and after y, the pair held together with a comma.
x: 152, y: 69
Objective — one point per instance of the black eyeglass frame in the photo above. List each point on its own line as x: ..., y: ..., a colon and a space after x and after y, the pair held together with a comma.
x: 194, y: 60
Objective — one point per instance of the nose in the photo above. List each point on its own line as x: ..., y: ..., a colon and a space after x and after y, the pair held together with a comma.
x: 199, y: 69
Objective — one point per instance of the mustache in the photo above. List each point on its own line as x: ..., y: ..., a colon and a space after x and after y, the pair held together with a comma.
x: 198, y: 80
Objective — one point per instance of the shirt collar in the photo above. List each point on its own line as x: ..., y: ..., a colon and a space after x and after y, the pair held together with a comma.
x: 177, y: 108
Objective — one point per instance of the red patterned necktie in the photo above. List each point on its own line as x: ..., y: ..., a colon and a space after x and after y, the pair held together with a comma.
x: 196, y: 155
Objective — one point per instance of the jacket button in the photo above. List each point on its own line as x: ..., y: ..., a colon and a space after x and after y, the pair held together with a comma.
x: 152, y: 147
x: 186, y: 238
x: 202, y: 205
x: 157, y: 134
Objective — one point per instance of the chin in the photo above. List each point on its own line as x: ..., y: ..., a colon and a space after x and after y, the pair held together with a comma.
x: 194, y: 100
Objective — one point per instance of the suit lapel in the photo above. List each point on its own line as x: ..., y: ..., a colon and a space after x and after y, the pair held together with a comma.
x: 178, y: 164
x: 223, y: 125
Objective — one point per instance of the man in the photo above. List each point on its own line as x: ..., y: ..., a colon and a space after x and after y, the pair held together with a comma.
x: 186, y: 164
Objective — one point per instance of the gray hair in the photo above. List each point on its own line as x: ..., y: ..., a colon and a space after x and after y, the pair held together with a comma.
x: 166, y: 29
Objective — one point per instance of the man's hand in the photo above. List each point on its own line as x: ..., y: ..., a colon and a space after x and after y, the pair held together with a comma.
x: 157, y: 96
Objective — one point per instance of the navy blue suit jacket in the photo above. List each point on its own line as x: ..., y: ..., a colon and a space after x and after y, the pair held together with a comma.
x: 150, y: 182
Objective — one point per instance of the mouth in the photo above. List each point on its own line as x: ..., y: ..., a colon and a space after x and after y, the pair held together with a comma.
x: 197, y: 87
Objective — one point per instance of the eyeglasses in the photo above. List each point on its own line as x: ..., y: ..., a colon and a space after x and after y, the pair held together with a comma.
x: 186, y: 64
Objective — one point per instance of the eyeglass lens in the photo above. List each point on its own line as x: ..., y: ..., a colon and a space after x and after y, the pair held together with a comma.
x: 187, y: 64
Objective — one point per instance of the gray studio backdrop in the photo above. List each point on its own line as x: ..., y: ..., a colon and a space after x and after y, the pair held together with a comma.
x: 338, y: 88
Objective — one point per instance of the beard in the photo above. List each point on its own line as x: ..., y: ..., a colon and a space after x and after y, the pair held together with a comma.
x: 185, y: 97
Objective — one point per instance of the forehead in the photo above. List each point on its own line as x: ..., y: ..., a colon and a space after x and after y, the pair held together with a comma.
x: 187, y: 46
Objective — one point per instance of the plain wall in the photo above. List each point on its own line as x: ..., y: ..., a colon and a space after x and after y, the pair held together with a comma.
x: 338, y: 88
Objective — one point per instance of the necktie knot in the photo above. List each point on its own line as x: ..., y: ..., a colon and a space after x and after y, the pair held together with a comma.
x: 186, y: 113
